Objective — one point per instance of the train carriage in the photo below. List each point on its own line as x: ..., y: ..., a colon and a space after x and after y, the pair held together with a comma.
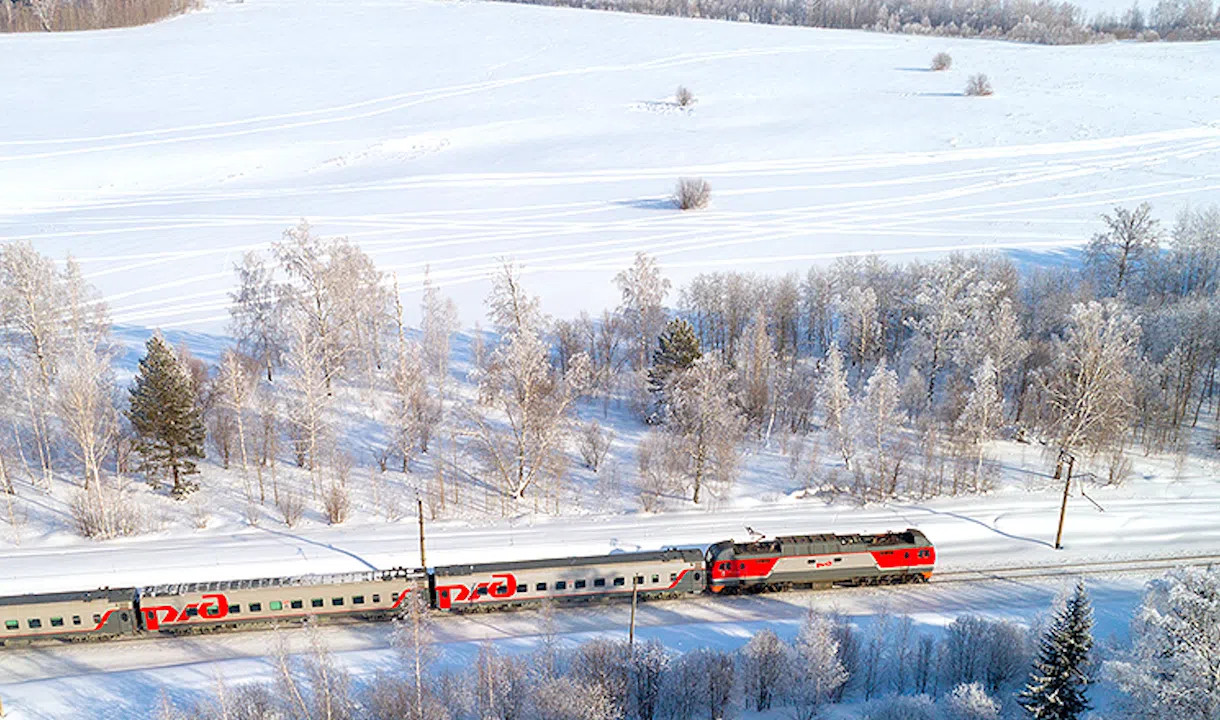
x: 665, y: 573
x: 94, y: 614
x: 196, y: 606
x: 820, y: 560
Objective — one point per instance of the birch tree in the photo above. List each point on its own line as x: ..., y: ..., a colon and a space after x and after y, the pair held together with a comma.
x: 836, y: 398
x: 818, y: 670
x: 1122, y: 250
x: 257, y: 313
x: 1089, y: 385
x: 438, y: 325
x: 756, y: 365
x: 982, y: 415
x: 643, y: 290
x: 878, y: 410
x: 703, y: 416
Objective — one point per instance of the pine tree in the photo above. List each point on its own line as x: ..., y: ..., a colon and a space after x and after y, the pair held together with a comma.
x: 168, y: 423
x: 678, y: 349
x: 1056, y: 687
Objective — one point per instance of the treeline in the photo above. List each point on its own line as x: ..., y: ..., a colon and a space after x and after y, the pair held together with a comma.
x: 874, y: 380
x: 1035, y: 21
x: 65, y: 15
x: 973, y: 669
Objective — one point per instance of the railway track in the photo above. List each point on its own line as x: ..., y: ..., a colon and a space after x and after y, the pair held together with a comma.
x: 1073, y: 569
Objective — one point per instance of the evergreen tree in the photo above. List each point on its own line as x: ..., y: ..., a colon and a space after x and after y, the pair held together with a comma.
x: 1056, y: 687
x: 168, y: 423
x: 677, y: 350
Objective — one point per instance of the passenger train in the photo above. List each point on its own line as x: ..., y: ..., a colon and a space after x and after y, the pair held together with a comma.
x: 724, y: 567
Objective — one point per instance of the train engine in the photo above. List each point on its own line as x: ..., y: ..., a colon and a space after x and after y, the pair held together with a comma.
x: 820, y: 560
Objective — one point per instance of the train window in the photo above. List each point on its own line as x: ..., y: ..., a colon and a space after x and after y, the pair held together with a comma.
x: 673, y: 577
x: 481, y: 591
x: 696, y: 576
x: 296, y: 604
x: 599, y: 582
x: 656, y: 579
x: 256, y: 607
x: 838, y: 559
x: 336, y: 601
x: 235, y: 609
x: 523, y: 588
x: 639, y: 580
x: 540, y: 587
x: 376, y: 598
x: 357, y: 599
x: 57, y: 622
x: 580, y: 584
x: 76, y: 619
x: 561, y: 585
x: 811, y: 561
x: 192, y: 612
x: 11, y: 625
x: 619, y: 582
x: 97, y: 619
x: 275, y: 605
x: 123, y: 616
x: 316, y: 602
x: 923, y: 553
x: 34, y: 623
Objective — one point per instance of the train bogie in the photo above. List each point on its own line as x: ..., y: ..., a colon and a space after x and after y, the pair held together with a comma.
x: 199, y: 607
x: 667, y: 573
x: 95, y: 614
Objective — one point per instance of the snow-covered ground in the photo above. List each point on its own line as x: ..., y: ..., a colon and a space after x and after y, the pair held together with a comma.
x: 123, y: 680
x: 452, y: 134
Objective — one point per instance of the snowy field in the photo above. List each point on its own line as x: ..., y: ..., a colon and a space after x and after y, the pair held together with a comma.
x: 122, y: 680
x: 451, y: 134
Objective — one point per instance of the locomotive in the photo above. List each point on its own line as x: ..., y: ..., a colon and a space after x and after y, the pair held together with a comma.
x: 723, y: 567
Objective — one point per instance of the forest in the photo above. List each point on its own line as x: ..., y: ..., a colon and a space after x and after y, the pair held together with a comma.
x: 874, y: 380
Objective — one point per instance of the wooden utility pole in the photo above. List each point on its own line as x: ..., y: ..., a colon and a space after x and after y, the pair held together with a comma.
x: 1067, y: 486
x: 634, y: 594
x: 423, y: 560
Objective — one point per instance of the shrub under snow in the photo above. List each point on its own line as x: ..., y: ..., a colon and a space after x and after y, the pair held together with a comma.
x: 978, y: 86
x: 692, y: 194
x: 941, y: 61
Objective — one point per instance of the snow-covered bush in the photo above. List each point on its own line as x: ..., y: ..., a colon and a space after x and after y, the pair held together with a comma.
x: 102, y: 512
x: 337, y: 504
x: 942, y: 61
x: 978, y: 85
x: 291, y: 507
x: 692, y: 194
x: 903, y: 707
x: 970, y: 702
x: 684, y: 97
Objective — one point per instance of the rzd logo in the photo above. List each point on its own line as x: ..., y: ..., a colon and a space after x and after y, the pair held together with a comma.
x: 157, y: 615
x: 501, y: 586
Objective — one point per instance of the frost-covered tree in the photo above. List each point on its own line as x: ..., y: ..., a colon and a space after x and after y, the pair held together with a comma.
x: 766, y: 666
x: 1173, y: 670
x: 257, y: 313
x: 439, y: 322
x: 1127, y: 245
x: 861, y: 323
x: 642, y: 289
x: 165, y: 417
x: 756, y: 365
x: 816, y: 669
x: 983, y: 413
x: 879, y: 413
x: 413, y: 639
x: 235, y: 385
x: 969, y: 701
x: 939, y: 318
x: 525, y: 448
x: 835, y: 398
x: 648, y: 664
x: 704, y: 418
x: 1058, y: 684
x: 1089, y: 385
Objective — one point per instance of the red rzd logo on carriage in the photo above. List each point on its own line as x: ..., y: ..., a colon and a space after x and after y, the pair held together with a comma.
x: 157, y: 615
x: 501, y: 586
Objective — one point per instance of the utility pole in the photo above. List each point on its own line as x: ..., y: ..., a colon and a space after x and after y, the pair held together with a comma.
x: 1067, y: 486
x: 423, y: 560
x: 634, y: 594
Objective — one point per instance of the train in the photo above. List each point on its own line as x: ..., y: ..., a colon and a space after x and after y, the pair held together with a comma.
x: 724, y: 567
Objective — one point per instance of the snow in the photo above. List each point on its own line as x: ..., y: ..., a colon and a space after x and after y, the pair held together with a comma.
x: 452, y: 134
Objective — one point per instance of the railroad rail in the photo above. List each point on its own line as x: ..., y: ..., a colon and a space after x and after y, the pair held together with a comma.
x: 1097, y: 567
